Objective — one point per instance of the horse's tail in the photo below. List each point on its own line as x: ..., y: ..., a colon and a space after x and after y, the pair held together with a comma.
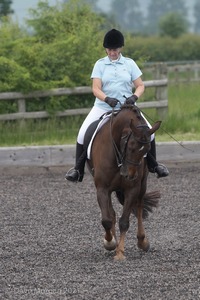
x: 151, y: 200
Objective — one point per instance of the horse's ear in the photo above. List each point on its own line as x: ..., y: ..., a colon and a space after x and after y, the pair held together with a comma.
x: 155, y: 127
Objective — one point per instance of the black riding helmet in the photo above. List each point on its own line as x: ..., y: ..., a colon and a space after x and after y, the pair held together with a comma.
x: 113, y: 39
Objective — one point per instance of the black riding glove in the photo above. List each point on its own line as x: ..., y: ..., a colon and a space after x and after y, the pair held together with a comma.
x: 131, y: 100
x: 111, y: 101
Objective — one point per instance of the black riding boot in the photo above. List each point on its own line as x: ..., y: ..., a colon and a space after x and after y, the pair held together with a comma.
x: 76, y: 174
x: 152, y: 164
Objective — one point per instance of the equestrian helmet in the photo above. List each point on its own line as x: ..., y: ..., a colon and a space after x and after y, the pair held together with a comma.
x: 113, y: 39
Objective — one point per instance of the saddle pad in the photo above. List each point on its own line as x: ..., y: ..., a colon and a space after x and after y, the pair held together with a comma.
x: 105, y: 118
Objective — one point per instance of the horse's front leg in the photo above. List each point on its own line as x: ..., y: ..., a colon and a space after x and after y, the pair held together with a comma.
x: 143, y: 242
x: 123, y: 227
x: 108, y: 218
x: 120, y: 247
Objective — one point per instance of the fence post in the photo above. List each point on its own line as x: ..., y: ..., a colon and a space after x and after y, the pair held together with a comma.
x: 21, y: 109
x: 161, y: 91
x: 21, y: 105
x: 196, y: 72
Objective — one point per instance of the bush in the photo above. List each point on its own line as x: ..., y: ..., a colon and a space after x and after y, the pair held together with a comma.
x: 60, y: 52
x: 13, y: 77
x: 161, y: 49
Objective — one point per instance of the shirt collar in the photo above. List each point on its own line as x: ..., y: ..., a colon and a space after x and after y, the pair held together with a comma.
x: 120, y: 61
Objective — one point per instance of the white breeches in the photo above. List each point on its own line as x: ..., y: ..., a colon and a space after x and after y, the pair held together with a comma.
x: 94, y: 115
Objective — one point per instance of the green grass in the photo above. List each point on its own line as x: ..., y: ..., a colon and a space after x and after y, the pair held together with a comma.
x: 183, y: 118
x: 52, y: 131
x: 182, y: 122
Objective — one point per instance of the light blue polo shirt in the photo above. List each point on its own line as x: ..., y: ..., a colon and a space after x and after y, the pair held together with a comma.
x: 117, y: 78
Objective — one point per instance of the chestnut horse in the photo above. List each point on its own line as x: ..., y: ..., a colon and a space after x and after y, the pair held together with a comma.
x: 118, y: 164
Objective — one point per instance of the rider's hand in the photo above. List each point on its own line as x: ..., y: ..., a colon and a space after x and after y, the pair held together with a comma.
x: 111, y: 101
x: 131, y: 100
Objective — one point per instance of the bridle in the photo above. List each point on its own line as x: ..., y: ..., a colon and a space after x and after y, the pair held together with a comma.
x: 121, y: 156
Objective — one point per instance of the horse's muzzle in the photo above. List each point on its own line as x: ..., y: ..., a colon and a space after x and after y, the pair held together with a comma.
x: 129, y: 173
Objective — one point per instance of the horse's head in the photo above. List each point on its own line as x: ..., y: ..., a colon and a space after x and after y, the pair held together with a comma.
x: 134, y: 145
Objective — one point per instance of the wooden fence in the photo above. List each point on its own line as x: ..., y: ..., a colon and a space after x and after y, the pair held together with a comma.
x: 178, y: 72
x: 160, y: 103
x: 184, y: 73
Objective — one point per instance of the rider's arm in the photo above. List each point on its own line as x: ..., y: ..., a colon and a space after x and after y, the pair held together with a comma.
x: 97, y: 89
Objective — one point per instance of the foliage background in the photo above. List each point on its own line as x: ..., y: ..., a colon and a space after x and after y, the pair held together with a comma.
x: 64, y: 42
x: 59, y: 49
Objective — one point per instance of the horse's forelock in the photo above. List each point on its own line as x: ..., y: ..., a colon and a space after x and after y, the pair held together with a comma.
x: 134, y: 109
x: 131, y: 107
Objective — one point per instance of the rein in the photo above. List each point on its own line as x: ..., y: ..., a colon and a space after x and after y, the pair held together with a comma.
x: 118, y: 155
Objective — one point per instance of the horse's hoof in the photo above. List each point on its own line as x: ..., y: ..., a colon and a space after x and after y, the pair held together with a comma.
x: 145, y: 245
x: 110, y: 245
x: 119, y: 257
x: 147, y: 248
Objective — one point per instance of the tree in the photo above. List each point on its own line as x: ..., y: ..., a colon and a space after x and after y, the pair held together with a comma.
x: 158, y: 8
x: 197, y: 16
x: 172, y: 24
x: 66, y: 41
x: 5, y: 8
x: 128, y: 15
x: 90, y: 2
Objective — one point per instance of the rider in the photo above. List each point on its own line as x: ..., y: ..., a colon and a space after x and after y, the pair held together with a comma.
x: 113, y: 78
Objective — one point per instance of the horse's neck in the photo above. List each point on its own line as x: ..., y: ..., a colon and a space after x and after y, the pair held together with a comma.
x: 120, y: 123
x: 124, y: 119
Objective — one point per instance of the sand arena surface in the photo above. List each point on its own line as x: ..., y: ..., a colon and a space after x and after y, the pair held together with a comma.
x: 52, y: 240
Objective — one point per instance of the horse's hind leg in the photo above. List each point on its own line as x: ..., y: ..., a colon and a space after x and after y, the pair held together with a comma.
x: 143, y: 242
x: 108, y: 219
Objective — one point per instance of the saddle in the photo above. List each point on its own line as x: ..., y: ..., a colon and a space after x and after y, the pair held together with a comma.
x: 93, y: 129
x: 89, y: 133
